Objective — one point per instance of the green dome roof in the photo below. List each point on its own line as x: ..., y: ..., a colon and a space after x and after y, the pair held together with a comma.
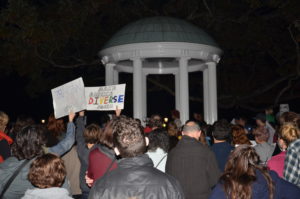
x: 160, y: 29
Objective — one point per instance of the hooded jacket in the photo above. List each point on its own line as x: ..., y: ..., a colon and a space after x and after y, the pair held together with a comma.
x: 136, y: 178
x: 49, y: 193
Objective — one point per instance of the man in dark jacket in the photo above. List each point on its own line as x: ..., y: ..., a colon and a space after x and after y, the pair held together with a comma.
x: 193, y: 164
x: 135, y: 176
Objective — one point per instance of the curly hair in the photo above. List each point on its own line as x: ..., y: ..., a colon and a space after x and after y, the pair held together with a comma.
x: 29, y: 142
x: 128, y: 137
x: 289, y: 133
x: 240, y: 173
x: 91, y: 134
x: 239, y: 135
x: 56, y: 126
x: 47, y: 171
x: 158, y: 138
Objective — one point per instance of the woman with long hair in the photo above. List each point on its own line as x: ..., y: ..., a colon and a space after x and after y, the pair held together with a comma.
x: 245, y: 178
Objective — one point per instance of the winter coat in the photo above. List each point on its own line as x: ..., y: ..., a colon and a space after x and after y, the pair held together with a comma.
x: 136, y: 178
x: 20, y: 184
x: 194, y: 166
x: 260, y: 190
x: 49, y: 193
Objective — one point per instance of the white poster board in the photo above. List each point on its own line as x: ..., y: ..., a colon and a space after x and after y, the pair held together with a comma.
x: 105, y: 98
x: 68, y: 97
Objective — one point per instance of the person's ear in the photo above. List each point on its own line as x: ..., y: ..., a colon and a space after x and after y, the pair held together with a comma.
x: 147, y: 141
x: 117, y: 151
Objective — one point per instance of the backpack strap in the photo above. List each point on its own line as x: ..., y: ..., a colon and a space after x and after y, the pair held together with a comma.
x: 11, y: 179
x: 161, y: 160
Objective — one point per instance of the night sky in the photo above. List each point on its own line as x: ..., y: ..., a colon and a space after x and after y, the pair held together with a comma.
x: 259, y: 40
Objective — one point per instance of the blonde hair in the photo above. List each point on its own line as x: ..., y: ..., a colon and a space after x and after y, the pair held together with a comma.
x: 3, y: 120
x: 289, y: 132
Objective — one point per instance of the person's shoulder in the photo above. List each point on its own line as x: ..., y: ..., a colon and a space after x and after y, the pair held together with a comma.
x: 218, y: 192
x: 10, y: 163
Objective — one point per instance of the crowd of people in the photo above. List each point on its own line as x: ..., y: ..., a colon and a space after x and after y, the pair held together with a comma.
x: 121, y: 158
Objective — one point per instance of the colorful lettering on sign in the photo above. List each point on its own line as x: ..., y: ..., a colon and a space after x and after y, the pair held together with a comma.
x: 106, y: 100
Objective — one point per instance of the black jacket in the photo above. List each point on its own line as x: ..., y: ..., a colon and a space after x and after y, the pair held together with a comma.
x: 136, y: 178
x: 194, y: 166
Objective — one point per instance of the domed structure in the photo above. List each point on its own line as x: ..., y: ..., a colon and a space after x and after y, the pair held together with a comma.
x: 164, y: 45
x: 160, y: 29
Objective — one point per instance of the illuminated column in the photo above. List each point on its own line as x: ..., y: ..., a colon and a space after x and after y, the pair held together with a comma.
x: 184, y: 89
x: 137, y: 89
x: 212, y: 79
x: 206, y: 96
x: 109, y: 74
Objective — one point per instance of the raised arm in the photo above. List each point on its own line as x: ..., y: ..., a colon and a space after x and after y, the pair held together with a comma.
x: 66, y: 144
x: 80, y: 126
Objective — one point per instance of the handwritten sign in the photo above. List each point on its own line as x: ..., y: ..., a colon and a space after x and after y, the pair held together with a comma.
x: 105, y: 98
x: 68, y: 97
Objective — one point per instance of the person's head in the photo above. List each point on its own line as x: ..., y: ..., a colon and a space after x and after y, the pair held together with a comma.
x: 47, y: 171
x: 128, y: 137
x: 91, y: 134
x: 29, y: 142
x: 241, y: 121
x: 240, y: 173
x: 192, y: 129
x: 158, y: 138
x: 172, y: 129
x: 269, y: 110
x: 289, y: 132
x: 55, y: 126
x: 221, y: 130
x: 260, y: 119
x: 21, y: 122
x: 155, y: 121
x: 175, y: 114
x: 239, y: 135
x: 106, y: 137
x: 261, y: 134
x: 289, y: 117
x: 3, y: 121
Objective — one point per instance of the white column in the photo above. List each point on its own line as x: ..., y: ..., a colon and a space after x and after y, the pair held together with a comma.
x: 137, y: 89
x: 206, y: 96
x: 109, y: 74
x: 116, y: 77
x: 144, y: 95
x: 184, y: 89
x: 212, y: 79
x: 177, y: 92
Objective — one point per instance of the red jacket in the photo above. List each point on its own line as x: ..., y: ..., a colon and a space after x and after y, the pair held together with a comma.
x: 99, y: 161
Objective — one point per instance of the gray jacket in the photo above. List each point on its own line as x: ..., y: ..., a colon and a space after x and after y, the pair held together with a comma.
x: 265, y: 151
x: 49, y: 193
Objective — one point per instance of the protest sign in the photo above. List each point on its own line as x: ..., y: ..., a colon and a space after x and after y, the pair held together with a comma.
x: 105, y: 98
x: 284, y: 108
x: 68, y: 97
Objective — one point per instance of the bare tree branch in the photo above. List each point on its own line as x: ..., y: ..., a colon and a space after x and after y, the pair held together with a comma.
x: 207, y: 8
x: 53, y: 63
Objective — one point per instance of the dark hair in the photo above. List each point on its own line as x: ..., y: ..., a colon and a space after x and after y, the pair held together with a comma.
x: 175, y: 113
x: 239, y: 135
x: 29, y: 142
x: 153, y: 122
x: 91, y: 134
x: 47, y: 171
x: 106, y: 137
x: 158, y: 138
x: 56, y: 126
x: 240, y: 173
x: 21, y: 122
x: 221, y: 130
x: 128, y: 136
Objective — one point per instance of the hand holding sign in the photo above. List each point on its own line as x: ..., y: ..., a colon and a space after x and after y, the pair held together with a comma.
x: 68, y: 97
